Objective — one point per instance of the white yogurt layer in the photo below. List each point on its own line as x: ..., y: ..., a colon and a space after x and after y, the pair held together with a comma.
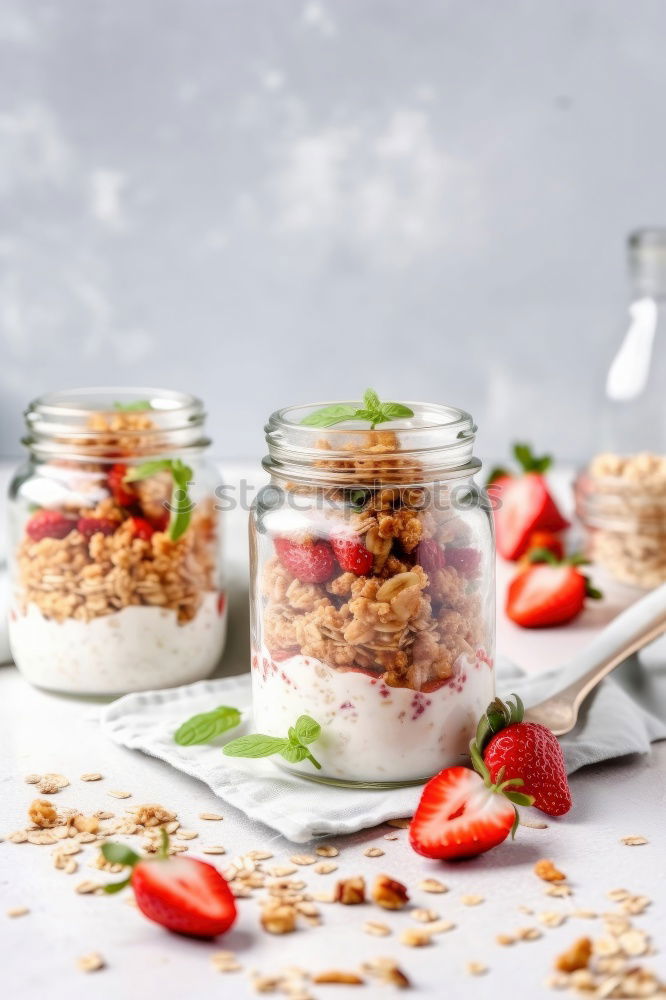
x: 371, y: 732
x: 134, y: 649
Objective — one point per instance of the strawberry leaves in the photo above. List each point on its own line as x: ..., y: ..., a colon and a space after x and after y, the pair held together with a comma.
x: 293, y: 747
x: 528, y: 461
x: 372, y: 410
x: 207, y: 726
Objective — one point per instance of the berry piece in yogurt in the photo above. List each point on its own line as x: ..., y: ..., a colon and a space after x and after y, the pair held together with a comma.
x: 310, y: 562
x: 49, y: 524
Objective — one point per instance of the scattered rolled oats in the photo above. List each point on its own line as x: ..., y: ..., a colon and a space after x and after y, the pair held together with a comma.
x: 634, y: 841
x: 32, y: 779
x: 211, y: 817
x: 43, y: 814
x: 528, y: 934
x: 86, y: 887
x: 150, y: 814
x: 350, y: 891
x: 18, y: 837
x: 116, y: 794
x: 547, y: 871
x: 585, y: 914
x: 91, y: 962
x: 327, y: 851
x: 472, y: 900
x: 391, y: 836
x: 399, y: 824
x: 576, y: 957
x: 86, y: 838
x: 559, y: 889
x: 551, y: 918
x: 214, y: 849
x: 259, y: 855
x: 416, y: 937
x: 85, y: 824
x: 506, y: 940
x: 376, y: 928
x: 325, y: 867
x: 387, y: 971
x: 634, y: 943
x: 41, y: 837
x: 187, y: 835
x: 48, y: 787
x: 281, y: 871
x: 91, y: 776
x: 18, y: 911
x: 302, y: 859
x: 338, y: 976
x: 389, y: 893
x: 432, y: 885
x: 476, y: 968
x: 423, y: 915
x: 373, y: 852
x: 225, y: 961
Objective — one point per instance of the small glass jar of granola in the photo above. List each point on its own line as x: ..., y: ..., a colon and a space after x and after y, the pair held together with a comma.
x: 372, y: 589
x: 621, y: 502
x: 115, y: 555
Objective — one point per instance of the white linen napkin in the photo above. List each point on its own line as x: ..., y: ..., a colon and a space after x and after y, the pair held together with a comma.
x: 612, y: 724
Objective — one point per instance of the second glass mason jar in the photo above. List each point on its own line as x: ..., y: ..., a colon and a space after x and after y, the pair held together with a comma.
x: 115, y: 549
x: 372, y: 593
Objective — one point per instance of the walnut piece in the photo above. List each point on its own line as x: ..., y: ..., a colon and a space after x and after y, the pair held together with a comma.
x: 547, y: 871
x: 576, y: 957
x: 350, y: 891
x: 152, y: 814
x: 279, y: 918
x: 43, y: 814
x: 389, y: 894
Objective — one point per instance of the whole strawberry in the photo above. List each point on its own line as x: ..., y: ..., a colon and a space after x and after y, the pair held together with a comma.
x: 524, y: 750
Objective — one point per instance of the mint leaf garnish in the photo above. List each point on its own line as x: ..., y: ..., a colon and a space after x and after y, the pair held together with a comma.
x: 528, y: 461
x: 372, y: 410
x: 181, y: 505
x: 138, y: 405
x: 120, y: 854
x: 205, y: 727
x: 293, y: 747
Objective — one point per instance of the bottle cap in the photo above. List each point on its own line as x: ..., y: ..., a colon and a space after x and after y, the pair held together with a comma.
x: 647, y: 261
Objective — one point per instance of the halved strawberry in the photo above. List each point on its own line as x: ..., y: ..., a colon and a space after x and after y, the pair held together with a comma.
x: 527, y: 750
x: 121, y: 491
x: 545, y: 594
x: 182, y: 894
x: 525, y: 506
x: 310, y: 562
x: 352, y: 556
x: 460, y: 816
x: 49, y: 524
x: 90, y: 526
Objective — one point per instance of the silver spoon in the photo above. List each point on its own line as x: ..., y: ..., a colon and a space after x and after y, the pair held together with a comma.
x: 634, y: 628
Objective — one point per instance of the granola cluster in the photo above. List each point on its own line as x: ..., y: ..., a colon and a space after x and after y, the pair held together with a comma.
x: 83, y: 561
x: 415, y: 610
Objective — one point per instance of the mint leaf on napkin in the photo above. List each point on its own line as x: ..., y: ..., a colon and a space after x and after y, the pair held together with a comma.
x: 205, y: 727
x: 293, y: 747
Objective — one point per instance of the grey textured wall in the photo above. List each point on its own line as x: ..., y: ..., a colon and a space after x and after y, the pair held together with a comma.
x: 270, y: 201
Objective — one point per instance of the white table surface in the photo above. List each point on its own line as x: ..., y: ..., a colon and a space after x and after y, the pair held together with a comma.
x: 42, y: 732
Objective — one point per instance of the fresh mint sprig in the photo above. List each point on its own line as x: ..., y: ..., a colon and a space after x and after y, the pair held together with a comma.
x: 372, y: 410
x: 138, y: 405
x: 207, y: 726
x: 293, y: 747
x: 181, y: 505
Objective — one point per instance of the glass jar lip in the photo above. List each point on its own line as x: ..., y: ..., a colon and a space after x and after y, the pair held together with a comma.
x: 458, y: 418
x: 59, y: 422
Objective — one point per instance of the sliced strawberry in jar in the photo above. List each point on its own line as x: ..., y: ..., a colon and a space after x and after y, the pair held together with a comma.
x: 310, y: 562
x: 352, y: 556
x: 142, y: 528
x: 49, y: 524
x: 121, y: 491
x: 459, y: 816
x: 90, y: 526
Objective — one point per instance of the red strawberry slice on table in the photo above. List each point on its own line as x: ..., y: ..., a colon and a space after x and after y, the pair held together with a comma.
x: 525, y: 750
x: 352, y: 556
x: 182, y: 894
x: 460, y: 816
x: 49, y: 524
x: 544, y: 595
x: 310, y: 562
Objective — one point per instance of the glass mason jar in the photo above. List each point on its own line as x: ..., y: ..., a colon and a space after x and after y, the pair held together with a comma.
x: 115, y: 550
x: 372, y: 593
